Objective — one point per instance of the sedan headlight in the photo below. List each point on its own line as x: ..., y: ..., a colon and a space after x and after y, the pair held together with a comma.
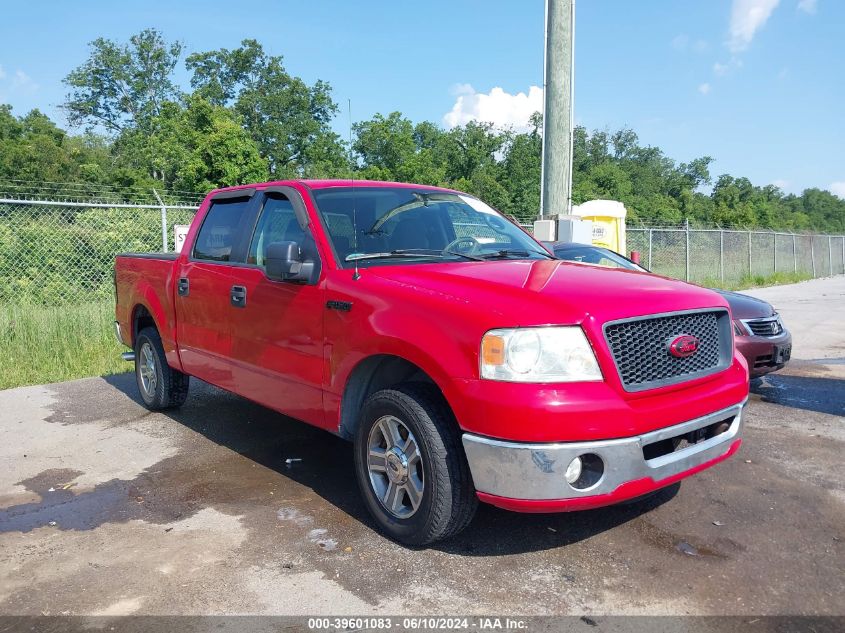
x: 538, y: 354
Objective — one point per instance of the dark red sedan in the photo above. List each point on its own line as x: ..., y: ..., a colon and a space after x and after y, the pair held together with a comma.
x: 758, y: 330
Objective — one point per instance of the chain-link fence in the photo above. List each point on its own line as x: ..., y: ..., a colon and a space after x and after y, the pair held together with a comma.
x: 58, y: 253
x: 722, y: 256
x: 55, y: 253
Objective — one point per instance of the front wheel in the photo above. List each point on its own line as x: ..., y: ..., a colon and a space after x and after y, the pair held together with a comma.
x: 411, y: 467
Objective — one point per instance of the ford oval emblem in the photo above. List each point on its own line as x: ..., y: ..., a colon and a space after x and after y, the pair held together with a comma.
x: 683, y: 346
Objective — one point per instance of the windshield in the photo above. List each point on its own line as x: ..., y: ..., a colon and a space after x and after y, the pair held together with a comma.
x: 599, y: 256
x: 391, y: 224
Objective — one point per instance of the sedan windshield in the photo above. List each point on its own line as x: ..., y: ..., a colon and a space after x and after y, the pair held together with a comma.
x: 370, y: 225
x: 596, y: 255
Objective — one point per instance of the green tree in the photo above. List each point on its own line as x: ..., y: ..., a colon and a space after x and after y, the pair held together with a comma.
x: 472, y: 147
x: 392, y: 148
x: 122, y: 86
x: 283, y: 114
x: 522, y: 171
x: 196, y: 148
x: 34, y: 149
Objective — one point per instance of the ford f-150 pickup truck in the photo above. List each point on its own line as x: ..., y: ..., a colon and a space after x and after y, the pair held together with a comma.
x: 463, y: 361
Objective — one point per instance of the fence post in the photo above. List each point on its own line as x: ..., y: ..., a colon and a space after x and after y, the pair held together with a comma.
x: 686, y: 232
x: 774, y: 253
x: 722, y: 256
x: 650, y: 231
x: 843, y: 254
x: 813, y: 253
x: 794, y: 256
x: 830, y: 254
x: 163, y: 222
x: 749, y: 253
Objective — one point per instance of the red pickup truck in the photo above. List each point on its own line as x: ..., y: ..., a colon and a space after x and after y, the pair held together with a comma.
x: 463, y: 361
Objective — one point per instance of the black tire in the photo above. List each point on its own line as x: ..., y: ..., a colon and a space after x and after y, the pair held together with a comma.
x: 169, y: 389
x: 448, y: 500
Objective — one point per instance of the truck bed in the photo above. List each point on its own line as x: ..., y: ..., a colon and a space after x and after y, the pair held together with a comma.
x: 147, y: 279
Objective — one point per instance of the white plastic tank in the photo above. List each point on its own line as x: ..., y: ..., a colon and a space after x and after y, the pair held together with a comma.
x: 608, y: 217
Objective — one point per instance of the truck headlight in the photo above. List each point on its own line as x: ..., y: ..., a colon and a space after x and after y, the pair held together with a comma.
x: 538, y: 354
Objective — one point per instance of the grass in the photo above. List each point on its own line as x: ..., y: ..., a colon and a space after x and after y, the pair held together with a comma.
x: 42, y: 345
x: 755, y: 281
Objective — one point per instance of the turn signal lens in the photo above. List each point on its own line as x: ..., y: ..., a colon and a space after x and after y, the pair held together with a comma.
x: 493, y: 350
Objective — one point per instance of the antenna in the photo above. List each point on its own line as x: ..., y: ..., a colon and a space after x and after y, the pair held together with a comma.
x: 357, y: 274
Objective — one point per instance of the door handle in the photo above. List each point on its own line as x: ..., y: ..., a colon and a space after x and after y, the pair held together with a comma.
x: 238, y: 296
x: 183, y: 287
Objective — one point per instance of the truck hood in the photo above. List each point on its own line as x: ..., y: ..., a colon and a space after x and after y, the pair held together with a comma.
x: 523, y: 292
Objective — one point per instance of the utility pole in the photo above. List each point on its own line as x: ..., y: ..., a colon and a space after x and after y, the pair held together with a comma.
x: 556, y: 191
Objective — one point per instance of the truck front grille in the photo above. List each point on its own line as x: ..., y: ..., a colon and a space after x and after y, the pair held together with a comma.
x: 640, y: 347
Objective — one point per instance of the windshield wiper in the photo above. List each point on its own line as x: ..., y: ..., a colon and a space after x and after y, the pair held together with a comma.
x: 507, y: 252
x: 397, y: 254
x: 440, y: 253
x: 412, y: 252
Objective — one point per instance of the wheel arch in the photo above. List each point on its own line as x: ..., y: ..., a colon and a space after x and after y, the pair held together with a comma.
x: 140, y: 319
x: 374, y: 373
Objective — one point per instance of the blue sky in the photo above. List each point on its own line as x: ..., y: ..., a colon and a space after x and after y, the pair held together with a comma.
x: 757, y: 84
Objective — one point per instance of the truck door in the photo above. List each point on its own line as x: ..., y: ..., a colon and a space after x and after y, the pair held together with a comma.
x: 204, y: 288
x: 277, y: 335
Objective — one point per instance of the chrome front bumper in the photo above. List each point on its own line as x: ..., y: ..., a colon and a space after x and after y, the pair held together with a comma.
x: 536, y: 471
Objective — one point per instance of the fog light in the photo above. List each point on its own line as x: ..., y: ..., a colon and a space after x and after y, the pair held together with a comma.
x: 573, y: 471
x: 592, y: 471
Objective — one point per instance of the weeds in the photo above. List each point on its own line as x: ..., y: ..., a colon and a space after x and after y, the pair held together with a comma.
x: 42, y: 345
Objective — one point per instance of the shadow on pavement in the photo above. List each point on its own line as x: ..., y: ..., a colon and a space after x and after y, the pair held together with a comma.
x: 324, y: 463
x: 810, y: 393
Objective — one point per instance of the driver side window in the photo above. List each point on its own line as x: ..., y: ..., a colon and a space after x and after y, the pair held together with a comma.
x: 278, y: 223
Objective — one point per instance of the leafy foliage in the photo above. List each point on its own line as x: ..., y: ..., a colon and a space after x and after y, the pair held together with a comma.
x: 248, y: 119
x: 283, y: 115
x: 123, y: 86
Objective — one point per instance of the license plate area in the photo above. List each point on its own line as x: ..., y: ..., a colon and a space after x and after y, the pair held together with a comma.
x: 782, y: 354
x: 685, y: 440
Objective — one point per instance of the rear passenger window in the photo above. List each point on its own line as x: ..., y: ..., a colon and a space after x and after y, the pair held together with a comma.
x: 219, y: 230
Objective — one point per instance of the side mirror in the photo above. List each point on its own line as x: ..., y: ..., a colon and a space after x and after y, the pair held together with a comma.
x: 283, y: 262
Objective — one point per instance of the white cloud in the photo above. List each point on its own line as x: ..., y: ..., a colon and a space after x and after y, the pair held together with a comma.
x: 683, y: 43
x: 461, y: 89
x: 723, y: 69
x: 838, y: 188
x: 808, y: 6
x: 498, y: 107
x: 680, y: 42
x: 748, y: 17
x: 23, y: 82
x: 704, y: 88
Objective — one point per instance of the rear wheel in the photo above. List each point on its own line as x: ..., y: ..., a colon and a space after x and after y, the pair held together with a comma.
x: 160, y: 386
x: 411, y: 467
